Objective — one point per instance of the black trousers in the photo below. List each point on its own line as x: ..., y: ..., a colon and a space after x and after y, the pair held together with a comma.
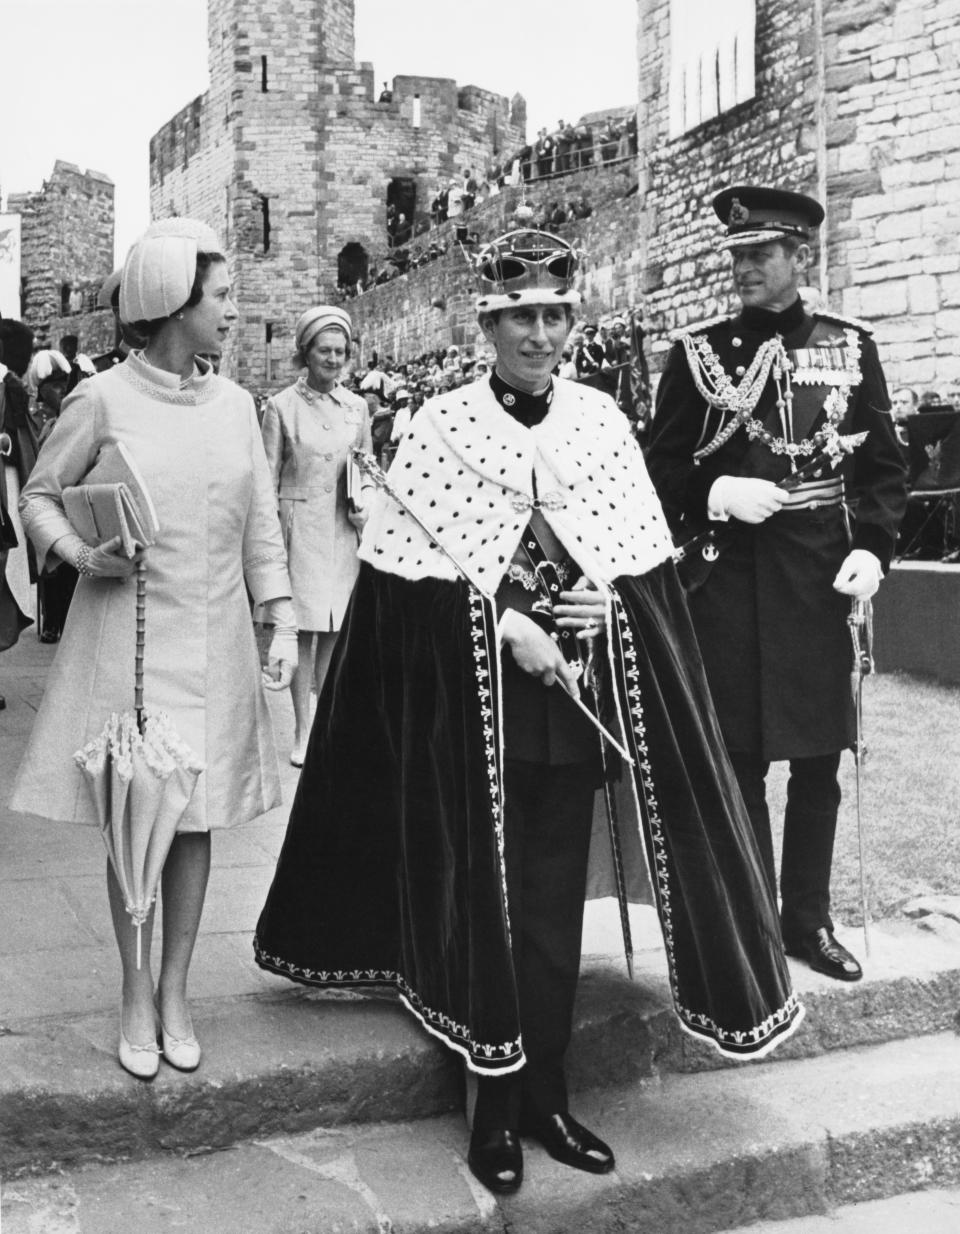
x: 809, y: 827
x: 547, y: 823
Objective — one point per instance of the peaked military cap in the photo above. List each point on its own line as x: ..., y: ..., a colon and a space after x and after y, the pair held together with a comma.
x: 754, y: 214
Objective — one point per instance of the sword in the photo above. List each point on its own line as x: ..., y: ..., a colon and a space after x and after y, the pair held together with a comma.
x: 613, y: 823
x: 860, y: 624
x: 370, y: 467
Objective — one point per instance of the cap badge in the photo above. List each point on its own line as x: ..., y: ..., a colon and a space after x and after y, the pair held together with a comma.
x: 738, y: 212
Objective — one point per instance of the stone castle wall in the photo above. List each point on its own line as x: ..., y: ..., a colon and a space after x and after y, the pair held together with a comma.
x: 432, y: 306
x: 770, y: 139
x: 887, y: 152
x: 66, y: 253
x: 894, y: 174
x: 289, y: 154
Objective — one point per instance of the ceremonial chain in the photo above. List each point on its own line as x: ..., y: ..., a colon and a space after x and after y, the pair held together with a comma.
x: 715, y: 386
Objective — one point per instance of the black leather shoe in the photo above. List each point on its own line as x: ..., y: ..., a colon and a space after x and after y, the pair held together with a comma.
x: 567, y: 1141
x: 825, y: 955
x: 496, y: 1158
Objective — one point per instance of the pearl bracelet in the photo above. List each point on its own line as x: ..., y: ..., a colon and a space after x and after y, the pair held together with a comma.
x: 82, y: 563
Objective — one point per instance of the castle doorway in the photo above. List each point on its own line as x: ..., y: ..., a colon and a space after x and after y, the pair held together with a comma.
x: 401, y: 204
x: 353, y: 266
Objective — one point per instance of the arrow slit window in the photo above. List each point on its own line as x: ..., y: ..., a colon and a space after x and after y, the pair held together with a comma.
x: 711, y: 59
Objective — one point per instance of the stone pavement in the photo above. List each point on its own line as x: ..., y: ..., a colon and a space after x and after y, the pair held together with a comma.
x: 319, y: 1112
x: 57, y: 951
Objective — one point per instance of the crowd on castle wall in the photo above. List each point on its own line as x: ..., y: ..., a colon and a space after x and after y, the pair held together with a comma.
x: 410, y: 248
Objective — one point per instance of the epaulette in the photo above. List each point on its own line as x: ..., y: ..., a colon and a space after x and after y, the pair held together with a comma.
x: 700, y: 327
x: 840, y: 320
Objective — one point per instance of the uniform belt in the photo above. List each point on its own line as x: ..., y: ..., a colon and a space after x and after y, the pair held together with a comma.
x: 811, y: 494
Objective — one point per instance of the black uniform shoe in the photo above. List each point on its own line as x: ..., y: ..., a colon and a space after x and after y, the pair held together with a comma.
x: 567, y: 1141
x: 3, y: 703
x: 496, y: 1158
x: 825, y: 955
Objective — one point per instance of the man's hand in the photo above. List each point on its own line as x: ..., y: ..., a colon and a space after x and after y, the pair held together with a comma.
x: 583, y: 609
x: 860, y: 575
x: 536, y: 652
x: 745, y: 498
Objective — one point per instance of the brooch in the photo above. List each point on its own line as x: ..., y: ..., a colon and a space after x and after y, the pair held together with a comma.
x: 549, y: 501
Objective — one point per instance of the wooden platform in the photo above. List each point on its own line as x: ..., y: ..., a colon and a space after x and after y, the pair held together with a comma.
x: 917, y: 621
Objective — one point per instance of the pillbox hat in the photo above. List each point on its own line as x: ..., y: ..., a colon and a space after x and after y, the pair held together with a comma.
x: 317, y: 319
x: 161, y: 266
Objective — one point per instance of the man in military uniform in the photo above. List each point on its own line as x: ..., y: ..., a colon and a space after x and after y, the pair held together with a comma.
x: 744, y: 403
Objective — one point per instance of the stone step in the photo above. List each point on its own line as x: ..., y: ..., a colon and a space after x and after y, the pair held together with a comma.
x: 301, y: 1059
x: 917, y: 1212
x: 696, y: 1152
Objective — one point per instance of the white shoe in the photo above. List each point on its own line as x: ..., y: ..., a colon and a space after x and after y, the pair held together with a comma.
x: 180, y: 1052
x: 142, y: 1061
x: 297, y: 755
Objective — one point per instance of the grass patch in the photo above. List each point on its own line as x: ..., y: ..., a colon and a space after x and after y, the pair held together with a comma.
x: 911, y: 798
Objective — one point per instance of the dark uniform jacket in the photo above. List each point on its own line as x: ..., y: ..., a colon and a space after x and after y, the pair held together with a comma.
x: 772, y: 629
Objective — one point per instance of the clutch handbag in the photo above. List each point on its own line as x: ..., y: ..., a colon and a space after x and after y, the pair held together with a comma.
x: 113, y: 500
x: 354, y: 481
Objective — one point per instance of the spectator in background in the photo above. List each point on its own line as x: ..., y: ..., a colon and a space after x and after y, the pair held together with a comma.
x: 401, y: 415
x: 951, y: 394
x: 589, y: 357
x: 109, y: 297
x: 584, y: 145
x: 616, y: 347
x: 386, y: 94
x: 375, y: 383
x: 563, y: 138
x: 544, y: 149
x: 630, y: 133
x: 47, y: 379
x: 49, y: 376
x: 568, y: 367
x: 904, y: 403
x: 609, y: 138
x: 470, y: 189
x: 18, y: 451
x: 308, y: 430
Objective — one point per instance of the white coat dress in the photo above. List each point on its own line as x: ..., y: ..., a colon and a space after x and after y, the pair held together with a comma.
x: 198, y: 447
x: 307, y: 437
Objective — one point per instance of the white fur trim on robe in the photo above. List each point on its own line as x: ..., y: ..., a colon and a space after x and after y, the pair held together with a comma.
x: 465, y: 467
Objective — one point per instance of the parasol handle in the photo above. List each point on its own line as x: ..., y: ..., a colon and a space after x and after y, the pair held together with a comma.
x: 141, y: 638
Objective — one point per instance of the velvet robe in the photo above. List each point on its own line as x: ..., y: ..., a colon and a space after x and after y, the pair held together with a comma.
x: 392, y: 869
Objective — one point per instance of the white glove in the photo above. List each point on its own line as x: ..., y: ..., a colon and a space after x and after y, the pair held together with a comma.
x: 860, y: 575
x: 282, y: 658
x: 745, y: 498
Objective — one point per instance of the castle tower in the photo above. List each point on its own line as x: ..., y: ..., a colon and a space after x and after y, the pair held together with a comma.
x: 292, y: 160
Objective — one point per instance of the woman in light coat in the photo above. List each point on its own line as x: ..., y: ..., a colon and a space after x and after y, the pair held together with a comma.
x: 309, y: 430
x: 195, y: 440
